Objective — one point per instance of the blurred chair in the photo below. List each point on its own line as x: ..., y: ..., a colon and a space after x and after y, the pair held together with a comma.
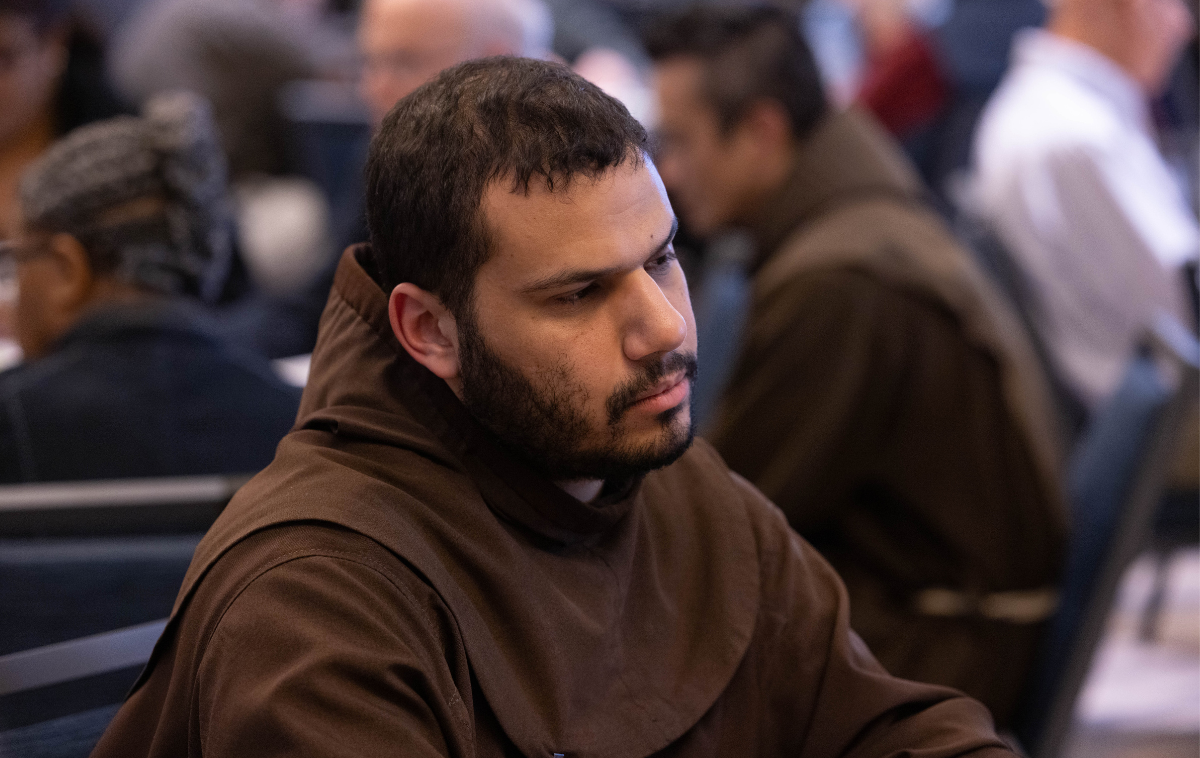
x: 56, y: 700
x: 88, y: 571
x: 170, y: 505
x: 1116, y: 478
x: 1176, y: 528
x: 996, y: 260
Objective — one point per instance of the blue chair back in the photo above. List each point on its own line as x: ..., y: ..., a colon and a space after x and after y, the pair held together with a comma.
x: 87, y: 569
x: 1115, y: 479
x: 57, y: 700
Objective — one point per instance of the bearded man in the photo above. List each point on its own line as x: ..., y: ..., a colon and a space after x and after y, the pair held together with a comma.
x: 491, y: 533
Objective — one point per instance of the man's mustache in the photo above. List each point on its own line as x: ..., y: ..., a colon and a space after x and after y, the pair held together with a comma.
x: 626, y: 395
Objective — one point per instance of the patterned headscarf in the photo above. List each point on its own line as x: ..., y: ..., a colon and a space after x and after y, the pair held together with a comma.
x: 89, y: 184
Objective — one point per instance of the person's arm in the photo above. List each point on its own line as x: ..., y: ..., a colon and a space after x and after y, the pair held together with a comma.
x: 1101, y: 233
x: 827, y: 696
x: 329, y: 656
x: 1127, y: 234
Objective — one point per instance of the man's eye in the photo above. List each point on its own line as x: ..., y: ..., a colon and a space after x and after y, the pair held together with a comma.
x: 662, y: 262
x: 578, y: 296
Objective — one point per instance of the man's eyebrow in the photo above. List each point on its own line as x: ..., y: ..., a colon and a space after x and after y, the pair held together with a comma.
x: 565, y: 278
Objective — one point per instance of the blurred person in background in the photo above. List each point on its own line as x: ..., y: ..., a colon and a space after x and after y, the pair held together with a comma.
x: 51, y: 81
x: 243, y: 56
x: 1068, y: 174
x: 884, y: 397
x: 401, y: 43
x: 238, y: 54
x: 404, y: 43
x: 124, y: 229
x: 904, y: 84
x: 928, y: 68
x: 924, y: 68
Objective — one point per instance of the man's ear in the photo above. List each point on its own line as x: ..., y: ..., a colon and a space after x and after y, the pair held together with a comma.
x: 55, y: 287
x: 69, y: 287
x: 768, y: 125
x: 426, y: 329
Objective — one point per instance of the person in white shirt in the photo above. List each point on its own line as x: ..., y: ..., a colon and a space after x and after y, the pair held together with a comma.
x: 1068, y: 174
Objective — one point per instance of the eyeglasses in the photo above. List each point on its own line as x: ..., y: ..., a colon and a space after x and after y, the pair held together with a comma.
x: 12, y: 254
x: 22, y: 250
x: 14, y: 54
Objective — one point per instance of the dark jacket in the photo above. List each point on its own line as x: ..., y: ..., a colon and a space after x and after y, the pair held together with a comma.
x: 396, y: 583
x: 135, y: 391
x: 888, y: 401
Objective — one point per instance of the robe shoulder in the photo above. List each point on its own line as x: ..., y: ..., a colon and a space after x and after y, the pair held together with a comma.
x: 310, y: 638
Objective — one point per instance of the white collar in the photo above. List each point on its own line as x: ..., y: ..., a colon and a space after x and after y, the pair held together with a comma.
x: 1087, y: 66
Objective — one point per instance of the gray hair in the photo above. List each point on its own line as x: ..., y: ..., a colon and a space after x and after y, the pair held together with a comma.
x: 146, y: 196
x: 525, y: 25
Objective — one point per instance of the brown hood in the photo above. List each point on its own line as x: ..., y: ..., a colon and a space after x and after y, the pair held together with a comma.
x: 586, y: 626
x: 853, y: 201
x: 846, y: 159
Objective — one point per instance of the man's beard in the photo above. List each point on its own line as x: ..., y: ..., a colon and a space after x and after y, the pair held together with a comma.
x: 547, y: 424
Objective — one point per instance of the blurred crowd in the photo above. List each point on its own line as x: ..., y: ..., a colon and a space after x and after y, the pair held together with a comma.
x: 924, y: 239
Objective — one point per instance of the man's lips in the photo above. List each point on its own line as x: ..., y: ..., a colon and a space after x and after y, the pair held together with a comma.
x: 667, y: 393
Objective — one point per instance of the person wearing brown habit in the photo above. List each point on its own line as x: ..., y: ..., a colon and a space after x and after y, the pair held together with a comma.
x: 491, y: 532
x: 885, y: 396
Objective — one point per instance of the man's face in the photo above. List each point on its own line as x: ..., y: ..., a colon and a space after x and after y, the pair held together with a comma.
x: 1157, y: 31
x: 580, y: 347
x: 405, y: 43
x: 28, y: 271
x: 711, y: 174
x: 29, y: 69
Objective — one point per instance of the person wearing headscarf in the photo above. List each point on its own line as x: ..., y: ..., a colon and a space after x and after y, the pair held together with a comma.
x: 124, y: 232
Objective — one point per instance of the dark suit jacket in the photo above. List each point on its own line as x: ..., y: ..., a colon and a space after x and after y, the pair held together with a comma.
x: 137, y: 391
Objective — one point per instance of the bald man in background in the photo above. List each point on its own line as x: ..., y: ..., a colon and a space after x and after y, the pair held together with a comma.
x: 1069, y: 174
x: 404, y: 43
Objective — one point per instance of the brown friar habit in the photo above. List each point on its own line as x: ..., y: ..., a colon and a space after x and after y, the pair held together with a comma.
x: 888, y: 401
x: 396, y: 584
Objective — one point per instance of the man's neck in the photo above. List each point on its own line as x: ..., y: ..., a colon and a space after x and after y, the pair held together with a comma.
x: 1073, y: 23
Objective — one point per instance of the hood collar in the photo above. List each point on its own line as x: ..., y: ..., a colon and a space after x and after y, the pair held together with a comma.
x: 362, y: 383
x: 847, y: 157
x: 1040, y: 49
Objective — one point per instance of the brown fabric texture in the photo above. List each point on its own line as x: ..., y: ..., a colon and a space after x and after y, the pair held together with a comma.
x: 395, y: 583
x: 888, y: 400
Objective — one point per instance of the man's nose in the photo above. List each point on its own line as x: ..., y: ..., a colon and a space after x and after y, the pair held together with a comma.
x: 652, y: 324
